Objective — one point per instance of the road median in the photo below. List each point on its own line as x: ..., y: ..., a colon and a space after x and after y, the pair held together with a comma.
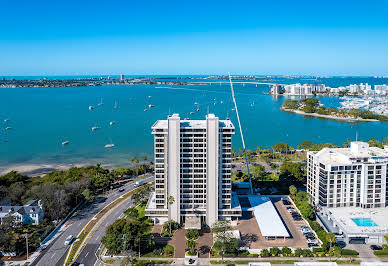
x: 87, y: 232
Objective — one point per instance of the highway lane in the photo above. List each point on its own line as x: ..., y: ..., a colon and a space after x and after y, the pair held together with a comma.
x: 89, y: 254
x: 55, y: 253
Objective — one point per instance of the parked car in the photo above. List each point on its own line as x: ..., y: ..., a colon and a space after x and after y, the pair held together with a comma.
x: 297, y: 218
x: 309, y: 235
x: 291, y: 210
x: 305, y: 229
x: 375, y: 247
x: 121, y: 189
x: 68, y: 240
x: 286, y: 202
x: 310, y: 245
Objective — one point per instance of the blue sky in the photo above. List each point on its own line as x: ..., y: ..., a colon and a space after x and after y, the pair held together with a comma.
x: 347, y: 37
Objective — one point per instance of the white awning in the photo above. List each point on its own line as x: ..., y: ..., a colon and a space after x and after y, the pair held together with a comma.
x: 267, y: 217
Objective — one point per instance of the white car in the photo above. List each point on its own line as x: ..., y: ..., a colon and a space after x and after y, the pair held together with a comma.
x: 68, y: 240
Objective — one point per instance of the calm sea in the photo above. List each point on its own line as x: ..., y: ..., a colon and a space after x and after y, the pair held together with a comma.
x: 41, y: 118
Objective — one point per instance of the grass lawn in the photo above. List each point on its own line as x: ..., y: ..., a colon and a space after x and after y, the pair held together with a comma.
x: 141, y: 210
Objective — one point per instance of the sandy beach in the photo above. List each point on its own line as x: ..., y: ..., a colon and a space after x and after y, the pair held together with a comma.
x: 41, y: 169
x: 332, y: 117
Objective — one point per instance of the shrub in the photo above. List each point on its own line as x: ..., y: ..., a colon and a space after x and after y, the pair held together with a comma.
x: 244, y: 253
x: 274, y: 251
x: 307, y: 253
x: 383, y: 252
x: 253, y: 255
x: 318, y: 250
x: 192, y: 234
x: 168, y: 250
x: 264, y: 253
x: 298, y: 252
x: 286, y: 251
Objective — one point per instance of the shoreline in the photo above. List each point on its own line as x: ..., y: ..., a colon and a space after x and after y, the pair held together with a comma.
x: 40, y: 169
x: 330, y: 117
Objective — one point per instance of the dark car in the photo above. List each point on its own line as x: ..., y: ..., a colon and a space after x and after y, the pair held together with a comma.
x: 286, y: 202
x: 297, y: 218
x: 309, y: 235
x: 375, y: 247
x: 310, y: 245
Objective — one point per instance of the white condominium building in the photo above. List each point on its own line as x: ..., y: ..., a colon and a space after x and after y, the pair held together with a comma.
x: 193, y: 166
x: 345, y: 177
x: 305, y: 89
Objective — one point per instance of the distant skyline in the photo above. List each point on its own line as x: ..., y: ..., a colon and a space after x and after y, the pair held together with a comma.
x: 335, y: 38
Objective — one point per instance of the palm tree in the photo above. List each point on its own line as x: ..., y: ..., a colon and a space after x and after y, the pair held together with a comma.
x: 134, y: 160
x: 330, y: 237
x: 191, y: 244
x: 170, y: 201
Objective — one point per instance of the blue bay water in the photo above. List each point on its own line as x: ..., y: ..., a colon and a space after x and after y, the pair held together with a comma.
x: 41, y: 118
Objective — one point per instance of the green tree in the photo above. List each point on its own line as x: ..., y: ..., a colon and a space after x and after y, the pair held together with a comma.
x: 222, y: 231
x: 281, y: 147
x: 142, y: 195
x: 286, y: 251
x: 88, y: 195
x: 293, y: 190
x: 132, y: 213
x: 307, y: 145
x: 192, y: 234
x: 330, y: 238
x: 264, y: 253
x: 126, y: 234
x: 170, y: 201
x: 191, y: 244
x: 259, y: 172
x: 290, y: 104
x: 293, y: 172
x: 307, y: 210
x: 134, y: 160
x: 274, y: 251
x: 144, y: 158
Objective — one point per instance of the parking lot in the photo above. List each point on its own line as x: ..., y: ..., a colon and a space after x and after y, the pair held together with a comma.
x: 252, y: 237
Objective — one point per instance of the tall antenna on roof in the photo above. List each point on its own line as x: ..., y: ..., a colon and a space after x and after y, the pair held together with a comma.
x: 241, y: 133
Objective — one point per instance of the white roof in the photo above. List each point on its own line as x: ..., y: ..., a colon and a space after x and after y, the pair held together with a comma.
x: 315, y: 263
x: 187, y: 123
x: 267, y: 217
x: 375, y: 263
x: 259, y: 264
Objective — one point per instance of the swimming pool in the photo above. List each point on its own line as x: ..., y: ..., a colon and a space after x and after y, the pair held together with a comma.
x: 364, y: 222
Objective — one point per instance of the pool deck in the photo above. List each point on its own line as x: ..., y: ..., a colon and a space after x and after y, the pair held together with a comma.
x: 344, y: 216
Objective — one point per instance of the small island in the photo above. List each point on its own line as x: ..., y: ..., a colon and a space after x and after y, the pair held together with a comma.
x: 312, y: 107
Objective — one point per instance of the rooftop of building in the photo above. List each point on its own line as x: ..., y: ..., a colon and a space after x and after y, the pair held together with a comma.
x: 188, y: 123
x: 33, y: 207
x: 267, y: 217
x: 357, y: 150
x: 346, y: 217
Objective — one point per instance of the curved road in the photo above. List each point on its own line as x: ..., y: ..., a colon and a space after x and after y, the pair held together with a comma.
x: 55, y: 253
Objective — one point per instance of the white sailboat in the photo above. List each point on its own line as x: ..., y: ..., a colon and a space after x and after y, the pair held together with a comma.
x: 91, y: 107
x: 109, y: 145
x: 65, y: 142
x: 8, y: 128
x: 6, y: 120
x: 111, y: 123
x: 95, y: 128
x: 100, y: 103
x: 116, y: 105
